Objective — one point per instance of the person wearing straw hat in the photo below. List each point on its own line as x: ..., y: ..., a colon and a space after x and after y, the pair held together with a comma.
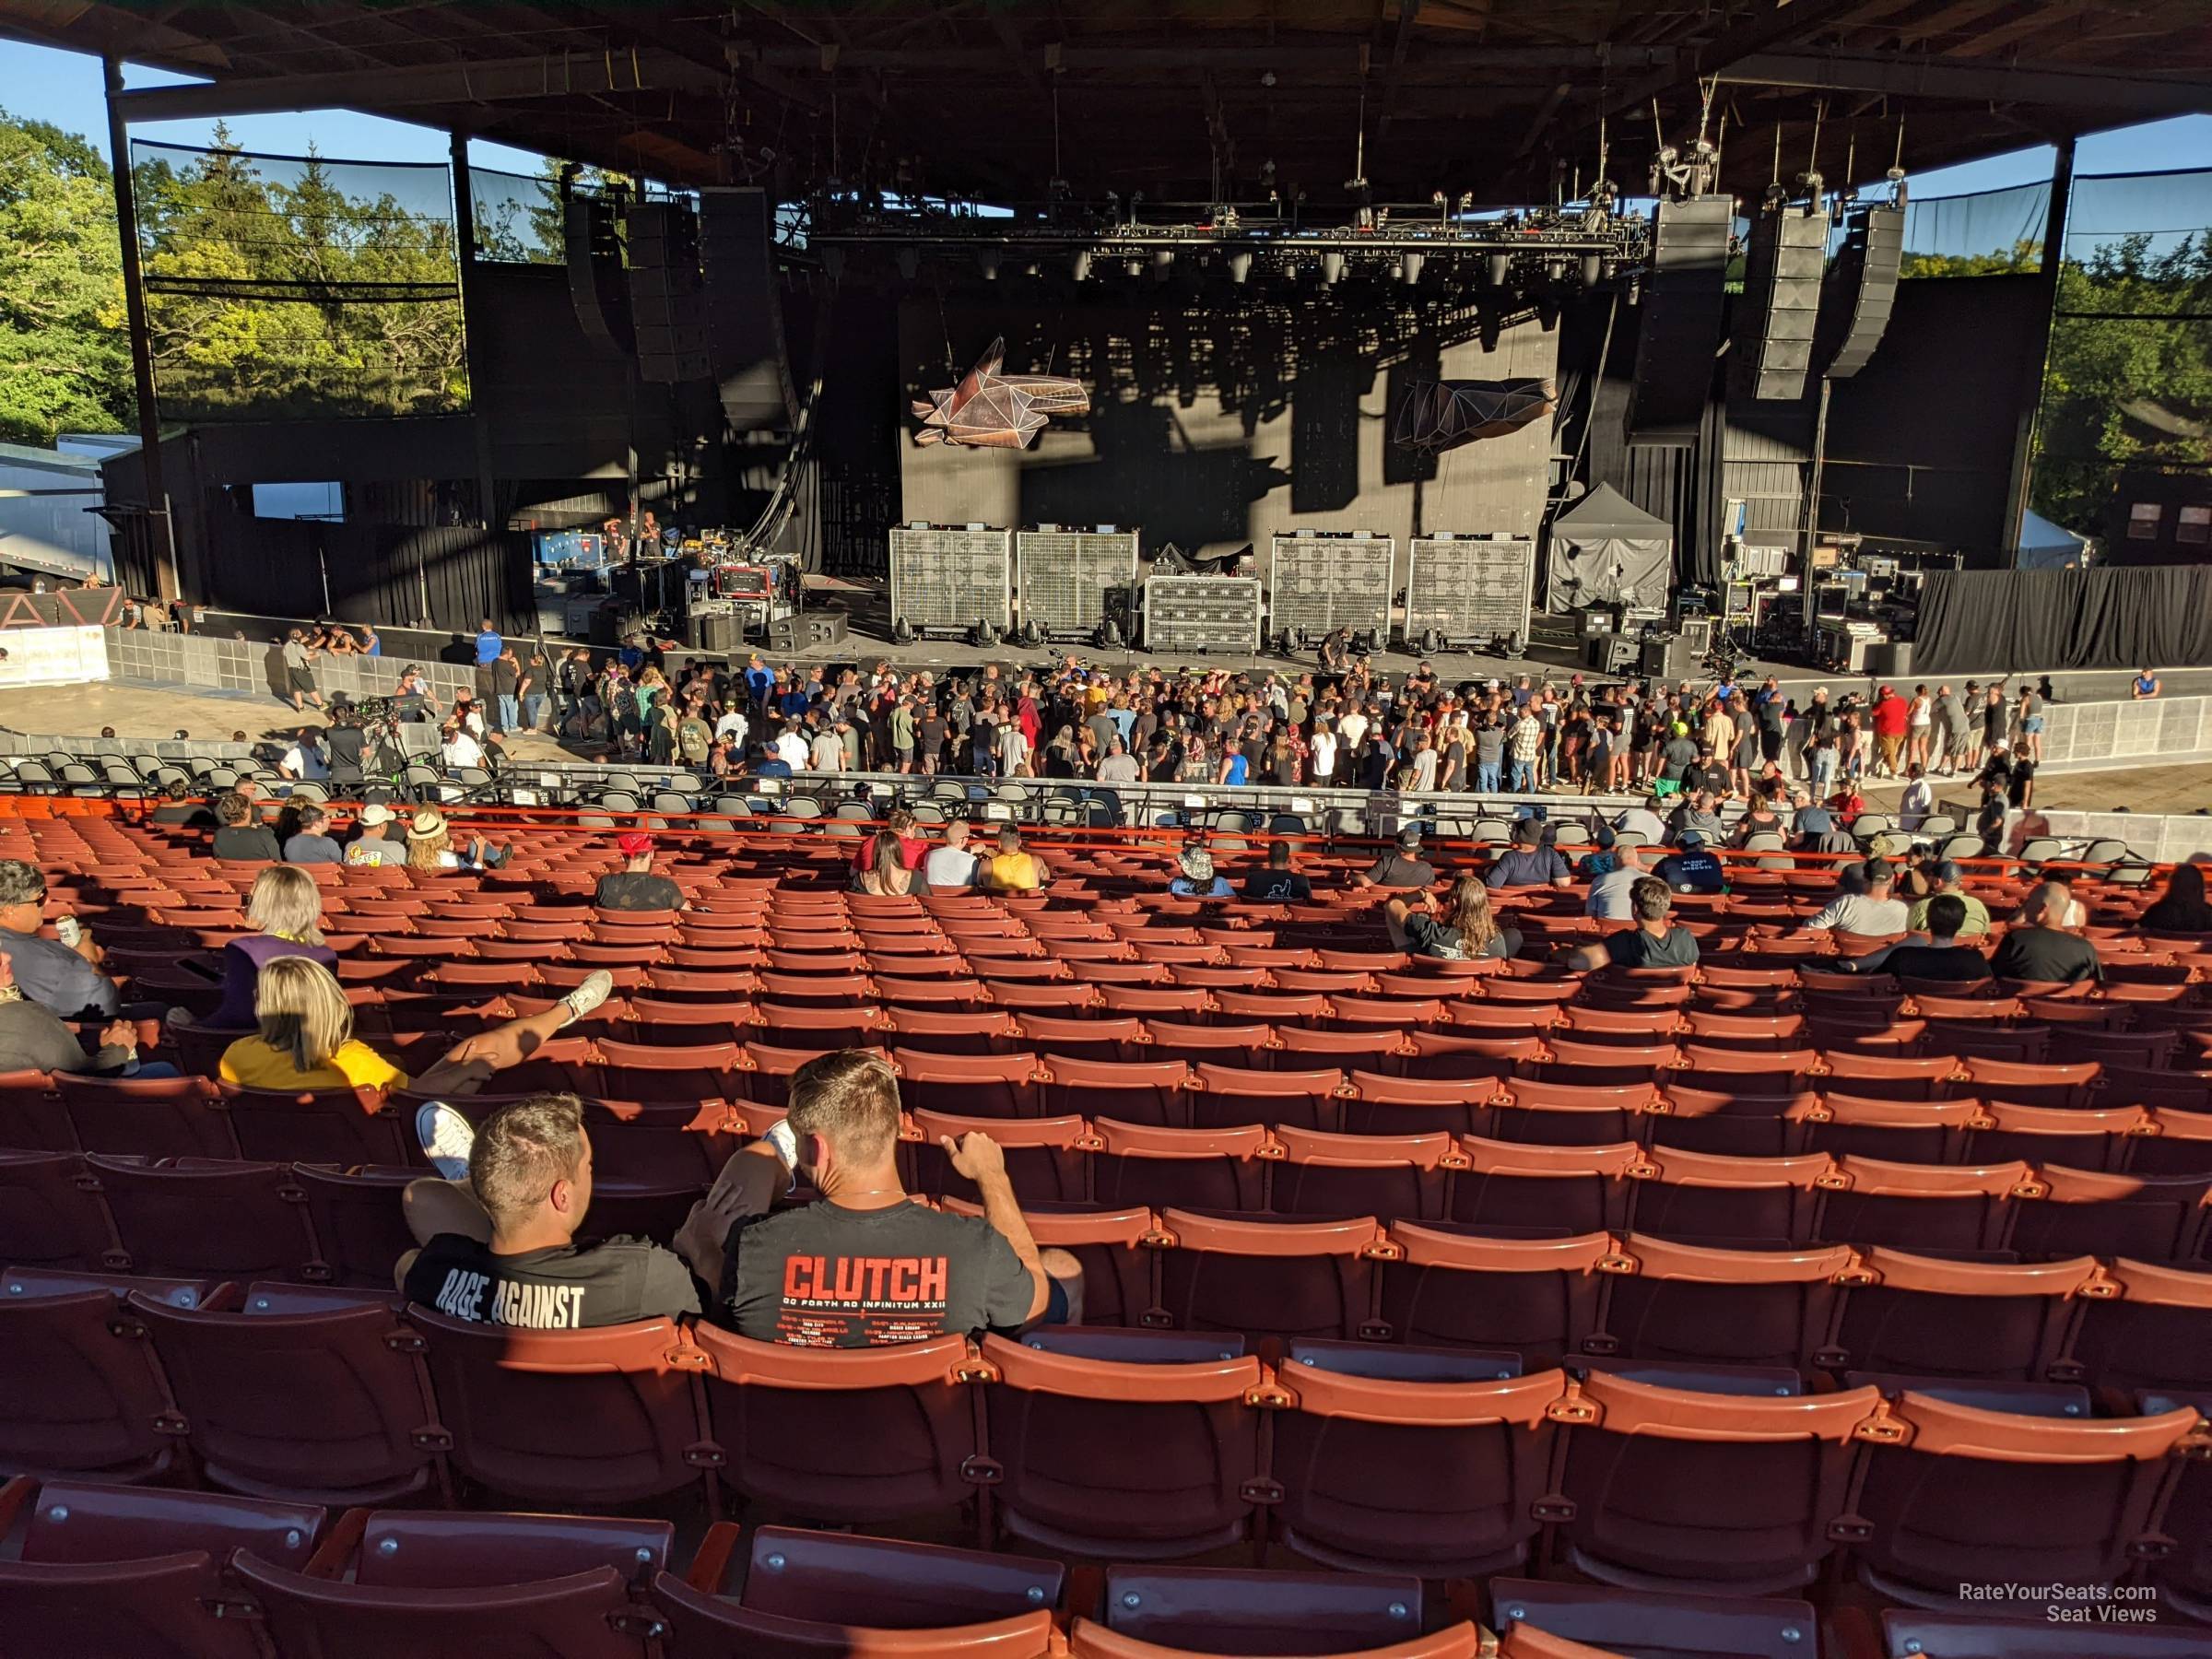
x: 431, y: 846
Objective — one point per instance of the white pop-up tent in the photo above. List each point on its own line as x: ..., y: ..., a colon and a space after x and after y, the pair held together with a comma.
x: 2044, y: 545
x: 1607, y: 549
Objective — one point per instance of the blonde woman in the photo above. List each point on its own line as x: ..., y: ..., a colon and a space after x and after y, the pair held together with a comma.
x: 286, y: 911
x: 304, y: 1039
x: 431, y: 846
x: 887, y: 874
x: 1463, y: 930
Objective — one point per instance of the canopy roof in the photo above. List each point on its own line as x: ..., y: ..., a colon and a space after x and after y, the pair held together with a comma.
x: 1605, y: 514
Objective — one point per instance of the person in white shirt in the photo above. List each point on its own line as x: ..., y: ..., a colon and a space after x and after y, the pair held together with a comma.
x: 460, y: 748
x: 1324, y: 749
x: 1608, y: 899
x: 1013, y: 749
x: 1352, y: 728
x: 791, y: 748
x: 1917, y: 803
x: 1874, y: 911
x: 1644, y: 821
x: 731, y: 727
x: 950, y: 866
x: 1422, y: 775
x: 305, y: 761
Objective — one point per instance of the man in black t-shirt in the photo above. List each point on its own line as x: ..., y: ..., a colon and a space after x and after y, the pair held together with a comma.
x: 501, y: 1247
x: 635, y: 887
x: 866, y: 1266
x: 1278, y: 881
x: 1402, y: 866
x: 238, y: 834
x: 1652, y: 943
x: 2034, y: 949
x: 1941, y: 960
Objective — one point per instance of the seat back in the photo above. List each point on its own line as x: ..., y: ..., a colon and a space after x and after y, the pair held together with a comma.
x: 1455, y: 1286
x: 1927, y: 1316
x: 80, y: 1392
x: 51, y: 1214
x: 2156, y: 1333
x: 1739, y: 1305
x: 341, y: 1127
x: 1267, y: 1279
x: 208, y: 1220
x: 1216, y: 1609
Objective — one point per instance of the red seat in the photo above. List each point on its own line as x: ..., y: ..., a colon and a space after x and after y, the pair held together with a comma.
x: 2153, y: 1331
x: 1712, y: 1306
x: 1155, y: 1093
x: 988, y: 1032
x: 443, y: 1586
x: 148, y: 1117
x: 1266, y: 1278
x: 1909, y: 1631
x: 1554, y: 1621
x: 846, y: 1435
x: 809, y: 1595
x: 1390, y: 1176
x: 1190, y: 1168
x: 1227, y: 1610
x: 31, y: 1118
x: 80, y: 1390
x: 1708, y: 1198
x: 1924, y: 1316
x: 1062, y: 1428
x: 1913, y: 1206
x: 315, y: 1393
x: 1227, y: 1096
x: 2148, y: 1216
x: 660, y: 1070
x: 201, y: 1218
x: 1734, y: 1493
x: 1376, y: 1104
x: 51, y: 1214
x: 1238, y: 1044
x: 1046, y: 1157
x: 1893, y: 1131
x: 138, y: 1572
x: 1966, y: 1491
x: 1438, y: 1478
x: 1554, y: 1113
x: 600, y: 1416
x: 1458, y: 1286
x: 1726, y: 1116
x: 1056, y: 1036
x: 975, y: 1086
x: 360, y: 1231
x: 341, y: 1126
x: 1565, y: 1189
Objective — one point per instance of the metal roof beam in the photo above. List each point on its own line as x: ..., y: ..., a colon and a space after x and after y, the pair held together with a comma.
x: 2127, y: 97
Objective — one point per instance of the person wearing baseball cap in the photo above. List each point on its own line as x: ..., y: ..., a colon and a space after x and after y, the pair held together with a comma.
x: 376, y: 846
x: 635, y: 887
x: 1402, y: 866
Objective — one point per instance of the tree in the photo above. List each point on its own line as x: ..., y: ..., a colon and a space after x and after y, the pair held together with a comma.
x: 2022, y: 257
x: 63, y: 361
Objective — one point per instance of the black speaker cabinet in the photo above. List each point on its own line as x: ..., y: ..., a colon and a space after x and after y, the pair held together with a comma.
x: 1680, y: 333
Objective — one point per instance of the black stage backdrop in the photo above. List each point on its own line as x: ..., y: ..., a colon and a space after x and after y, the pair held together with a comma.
x: 2011, y: 621
x: 447, y: 576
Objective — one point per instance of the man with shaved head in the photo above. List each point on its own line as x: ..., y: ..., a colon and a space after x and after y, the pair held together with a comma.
x: 2034, y: 948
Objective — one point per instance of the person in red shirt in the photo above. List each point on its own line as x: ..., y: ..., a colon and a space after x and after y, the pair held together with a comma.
x: 912, y: 849
x: 1890, y: 715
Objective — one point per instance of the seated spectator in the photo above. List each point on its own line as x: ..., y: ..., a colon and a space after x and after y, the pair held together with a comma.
x: 1278, y: 881
x: 34, y: 1039
x: 374, y: 846
x: 1653, y: 942
x: 305, y: 761
x: 1402, y: 866
x: 1528, y: 861
x: 1195, y: 876
x: 1875, y: 911
x: 634, y: 886
x: 1810, y: 823
x: 311, y: 845
x: 62, y: 979
x: 2033, y: 947
x: 950, y: 868
x: 241, y: 836
x: 458, y: 746
x: 863, y: 1266
x: 1612, y: 893
x: 305, y: 1040
x: 1943, y: 959
x: 2182, y: 908
x: 431, y: 846
x: 1941, y: 877
x: 1691, y: 867
x: 1647, y: 820
x: 1014, y: 868
x: 1604, y: 854
x: 286, y: 912
x: 1760, y: 818
x: 899, y: 823
x: 1461, y: 930
x: 497, y: 1245
x: 890, y: 876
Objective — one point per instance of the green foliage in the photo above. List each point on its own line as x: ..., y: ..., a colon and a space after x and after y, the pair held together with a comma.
x: 269, y: 297
x: 2129, y: 385
x: 2025, y: 255
x: 65, y: 362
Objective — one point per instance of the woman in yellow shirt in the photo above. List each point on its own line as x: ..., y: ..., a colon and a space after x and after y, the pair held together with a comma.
x: 306, y: 1039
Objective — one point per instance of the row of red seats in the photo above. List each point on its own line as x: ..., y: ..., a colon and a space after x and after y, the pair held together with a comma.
x: 1355, y: 1455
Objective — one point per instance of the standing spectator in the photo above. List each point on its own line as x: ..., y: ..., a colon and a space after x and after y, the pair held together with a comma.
x: 1919, y: 799
x: 532, y: 689
x: 1653, y: 942
x: 506, y: 705
x: 1920, y: 726
x: 1527, y: 746
x: 1951, y: 738
x: 1892, y: 719
x: 2030, y: 719
x: 487, y: 648
x: 299, y: 672
x: 304, y: 760
x: 2034, y: 949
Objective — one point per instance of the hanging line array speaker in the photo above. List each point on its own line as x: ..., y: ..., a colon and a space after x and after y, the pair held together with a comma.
x: 667, y: 303
x: 593, y: 246
x: 1681, y: 327
x: 1866, y: 280
x: 1780, y: 312
x: 745, y: 345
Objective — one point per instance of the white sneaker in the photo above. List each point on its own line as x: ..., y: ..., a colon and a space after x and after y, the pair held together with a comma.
x: 597, y: 988
x: 446, y: 1138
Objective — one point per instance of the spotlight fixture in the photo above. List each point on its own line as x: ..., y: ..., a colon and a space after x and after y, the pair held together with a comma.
x: 1592, y: 267
x: 1136, y: 267
x: 1163, y: 261
x: 1409, y: 267
x: 988, y: 258
x: 1500, y: 266
x: 1332, y: 267
x: 1081, y: 265
x: 1239, y: 264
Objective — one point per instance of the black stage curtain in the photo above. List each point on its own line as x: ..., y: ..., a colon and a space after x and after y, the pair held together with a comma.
x: 446, y: 576
x: 2016, y: 621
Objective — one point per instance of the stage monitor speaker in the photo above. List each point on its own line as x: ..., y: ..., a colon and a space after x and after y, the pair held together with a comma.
x: 1865, y: 280
x: 594, y: 247
x: 1681, y: 328
x: 1780, y: 312
x: 666, y: 301
x: 746, y: 348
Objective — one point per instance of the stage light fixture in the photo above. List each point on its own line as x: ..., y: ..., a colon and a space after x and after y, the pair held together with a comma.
x: 1136, y: 267
x: 1081, y: 265
x: 1592, y: 266
x: 1556, y: 269
x: 988, y: 258
x: 909, y: 263
x: 1500, y: 266
x: 1332, y: 267
x: 1239, y: 264
x: 1409, y: 267
x: 833, y: 263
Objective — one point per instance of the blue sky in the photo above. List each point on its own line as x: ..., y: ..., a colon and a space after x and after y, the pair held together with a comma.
x: 65, y: 89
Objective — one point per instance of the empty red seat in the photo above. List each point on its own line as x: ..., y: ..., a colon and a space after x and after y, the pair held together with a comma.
x: 1555, y: 1620
x: 81, y: 1392
x: 1437, y: 1477
x: 1926, y: 1316
x: 1548, y: 1112
x: 1915, y: 1206
x: 1227, y: 1610
x: 1267, y: 1279
x: 1709, y: 1197
x: 1733, y: 1493
x: 1893, y: 1131
x: 808, y: 1594
x: 441, y: 1586
x: 846, y: 1435
x: 2150, y: 1329
x: 315, y: 1393
x: 1226, y: 1096
x: 1455, y: 1286
x: 1566, y: 1189
x: 51, y: 1214
x: 2147, y: 1216
x: 1735, y: 1306
x: 1967, y: 1496
x: 201, y: 1218
x: 1399, y: 1176
x: 975, y: 1086
x: 1122, y: 1461
x: 1190, y: 1169
x: 138, y: 1572
x: 344, y: 1126
x: 148, y: 1117
x: 1375, y: 1104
